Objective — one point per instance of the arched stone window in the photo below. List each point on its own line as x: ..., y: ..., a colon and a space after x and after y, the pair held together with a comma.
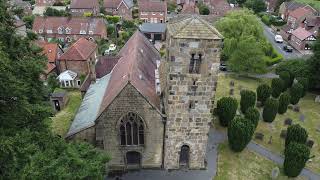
x: 131, y: 130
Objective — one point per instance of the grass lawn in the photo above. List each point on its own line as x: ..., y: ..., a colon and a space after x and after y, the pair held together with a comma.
x: 308, y: 108
x: 62, y: 120
x: 246, y: 165
x: 314, y: 3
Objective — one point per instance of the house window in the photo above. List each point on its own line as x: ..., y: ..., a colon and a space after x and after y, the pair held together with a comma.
x: 49, y: 31
x: 192, y: 104
x: 79, y: 82
x: 131, y: 130
x: 67, y: 83
x: 60, y: 30
x: 68, y: 31
x: 195, y: 63
x: 153, y: 13
x: 144, y: 13
x: 40, y: 30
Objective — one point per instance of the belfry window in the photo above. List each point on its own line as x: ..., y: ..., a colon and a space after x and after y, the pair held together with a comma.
x: 131, y: 130
x: 195, y: 63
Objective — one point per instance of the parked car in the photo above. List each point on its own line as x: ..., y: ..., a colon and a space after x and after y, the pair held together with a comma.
x: 287, y: 48
x: 278, y: 38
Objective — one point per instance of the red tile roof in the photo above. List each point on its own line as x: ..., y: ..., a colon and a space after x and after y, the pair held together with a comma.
x: 80, y: 50
x: 136, y: 66
x: 84, y: 4
x: 301, y: 33
x: 105, y: 65
x: 50, y: 68
x: 152, y: 6
x: 50, y: 50
x: 111, y: 3
x: 92, y: 26
x: 300, y: 12
x: 190, y: 9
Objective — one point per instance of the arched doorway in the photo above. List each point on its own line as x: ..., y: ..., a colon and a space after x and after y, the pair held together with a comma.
x: 133, y: 159
x: 184, y: 156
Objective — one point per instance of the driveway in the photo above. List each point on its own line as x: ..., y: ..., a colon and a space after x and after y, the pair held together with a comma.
x: 267, y: 31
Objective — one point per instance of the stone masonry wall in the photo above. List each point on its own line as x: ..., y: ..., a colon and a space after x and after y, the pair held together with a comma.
x: 185, y: 125
x: 107, y: 129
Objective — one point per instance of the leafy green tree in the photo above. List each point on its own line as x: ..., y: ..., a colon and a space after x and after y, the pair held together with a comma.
x: 227, y: 108
x: 263, y: 92
x: 53, y: 83
x: 113, y: 19
x: 284, y: 101
x: 296, y: 156
x: 54, y: 12
x: 28, y: 20
x: 203, y: 9
x: 270, y: 110
x: 296, y: 133
x: 305, y: 83
x: 314, y: 65
x: 296, y: 92
x: 277, y: 86
x: 240, y: 132
x: 296, y: 67
x: 253, y: 115
x: 248, y: 99
x: 287, y: 79
x: 171, y: 6
x: 256, y: 5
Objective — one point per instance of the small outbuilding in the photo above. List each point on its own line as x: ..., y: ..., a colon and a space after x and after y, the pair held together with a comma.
x: 59, y: 98
x: 154, y: 31
x: 68, y: 79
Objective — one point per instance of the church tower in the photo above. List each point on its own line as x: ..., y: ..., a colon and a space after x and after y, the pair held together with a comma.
x: 189, y: 78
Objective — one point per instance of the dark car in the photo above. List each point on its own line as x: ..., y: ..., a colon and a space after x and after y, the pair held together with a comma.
x: 287, y: 48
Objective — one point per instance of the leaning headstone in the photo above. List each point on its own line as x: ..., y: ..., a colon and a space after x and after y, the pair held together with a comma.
x: 317, y: 99
x: 231, y: 92
x: 259, y: 136
x: 231, y: 83
x: 288, y: 121
x: 275, y: 173
x: 302, y: 117
x: 296, y: 108
x: 283, y: 133
x: 310, y: 143
x: 270, y: 140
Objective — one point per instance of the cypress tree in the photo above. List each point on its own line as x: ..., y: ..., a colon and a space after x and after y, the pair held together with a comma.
x: 270, y: 110
x: 253, y: 115
x: 263, y: 93
x: 226, y: 109
x: 296, y: 133
x: 296, y: 92
x: 296, y: 156
x: 248, y: 99
x: 277, y: 86
x: 284, y: 101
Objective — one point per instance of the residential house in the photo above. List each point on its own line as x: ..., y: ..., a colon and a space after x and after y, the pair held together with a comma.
x: 297, y: 16
x: 68, y: 29
x: 79, y: 59
x: 218, y: 7
x: 45, y: 2
x: 25, y: 5
x: 80, y: 7
x: 121, y: 8
x: 52, y: 51
x: 312, y: 24
x: 301, y: 39
x: 190, y: 8
x: 154, y: 31
x: 271, y: 5
x: 287, y: 7
x: 152, y: 11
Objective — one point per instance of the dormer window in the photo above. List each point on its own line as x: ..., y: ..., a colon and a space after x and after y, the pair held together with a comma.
x: 68, y: 30
x: 90, y: 32
x: 83, y: 32
x: 60, y: 30
x: 40, y: 30
x: 195, y: 63
x: 49, y: 31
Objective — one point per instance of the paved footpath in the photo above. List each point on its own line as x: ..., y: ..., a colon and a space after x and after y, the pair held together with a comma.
x: 215, y: 138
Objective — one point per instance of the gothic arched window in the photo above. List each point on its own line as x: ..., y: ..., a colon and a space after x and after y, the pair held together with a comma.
x: 131, y: 130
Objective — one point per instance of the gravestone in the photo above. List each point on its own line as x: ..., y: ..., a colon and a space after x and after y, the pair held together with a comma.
x: 231, y: 92
x: 302, y: 117
x: 288, y: 121
x: 290, y: 106
x: 296, y: 108
x: 275, y: 173
x: 317, y: 99
x: 231, y: 83
x: 283, y: 134
x: 318, y: 128
x: 310, y: 143
x: 270, y: 140
x: 259, y: 136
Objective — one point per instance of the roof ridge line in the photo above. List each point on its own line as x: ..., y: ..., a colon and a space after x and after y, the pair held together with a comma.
x: 182, y: 27
x: 211, y: 27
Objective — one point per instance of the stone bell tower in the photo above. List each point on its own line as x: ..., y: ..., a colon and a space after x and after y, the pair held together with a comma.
x: 189, y: 76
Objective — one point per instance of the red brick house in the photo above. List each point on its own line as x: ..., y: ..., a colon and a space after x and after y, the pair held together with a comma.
x: 121, y: 8
x: 218, y: 7
x: 80, y: 58
x: 312, y: 24
x: 271, y: 5
x: 152, y: 11
x: 288, y: 7
x: 297, y: 16
x: 68, y: 29
x: 79, y: 7
x: 190, y: 8
x: 45, y: 2
x: 302, y: 39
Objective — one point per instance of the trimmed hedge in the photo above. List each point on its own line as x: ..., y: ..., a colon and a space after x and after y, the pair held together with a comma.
x: 277, y: 86
x: 296, y: 92
x: 284, y: 101
x: 253, y: 115
x: 272, y: 61
x: 240, y: 131
x: 270, y: 110
x: 296, y: 156
x: 248, y: 99
x: 263, y: 92
x: 296, y: 133
x: 226, y: 109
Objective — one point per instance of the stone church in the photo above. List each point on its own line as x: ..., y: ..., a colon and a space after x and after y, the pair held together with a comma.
x: 153, y: 112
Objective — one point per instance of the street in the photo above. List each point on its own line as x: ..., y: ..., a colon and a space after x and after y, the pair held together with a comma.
x: 279, y: 46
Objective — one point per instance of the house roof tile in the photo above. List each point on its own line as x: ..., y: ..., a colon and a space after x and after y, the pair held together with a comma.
x: 80, y: 50
x: 300, y: 12
x: 301, y: 33
x: 84, y: 4
x: 152, y: 6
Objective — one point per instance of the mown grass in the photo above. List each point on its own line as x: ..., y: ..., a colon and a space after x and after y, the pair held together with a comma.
x: 246, y: 165
x: 308, y: 108
x: 62, y: 120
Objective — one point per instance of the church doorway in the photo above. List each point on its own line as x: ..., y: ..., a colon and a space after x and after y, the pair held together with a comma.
x: 133, y: 160
x: 184, y: 156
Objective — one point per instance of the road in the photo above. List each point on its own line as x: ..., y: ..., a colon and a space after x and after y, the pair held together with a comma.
x: 279, y: 46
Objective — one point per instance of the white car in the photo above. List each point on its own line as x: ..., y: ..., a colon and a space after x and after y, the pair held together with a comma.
x: 278, y: 38
x: 112, y: 47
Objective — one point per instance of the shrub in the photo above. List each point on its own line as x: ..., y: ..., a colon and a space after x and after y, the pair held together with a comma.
x: 263, y: 92
x: 285, y: 76
x: 248, y: 99
x: 203, y: 9
x: 226, y: 108
x: 113, y: 19
x: 270, y: 110
x: 305, y: 83
x: 275, y: 60
x: 277, y: 86
x: 253, y: 115
x: 240, y: 131
x: 266, y: 20
x: 284, y: 101
x: 296, y: 133
x: 296, y: 92
x: 296, y: 156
